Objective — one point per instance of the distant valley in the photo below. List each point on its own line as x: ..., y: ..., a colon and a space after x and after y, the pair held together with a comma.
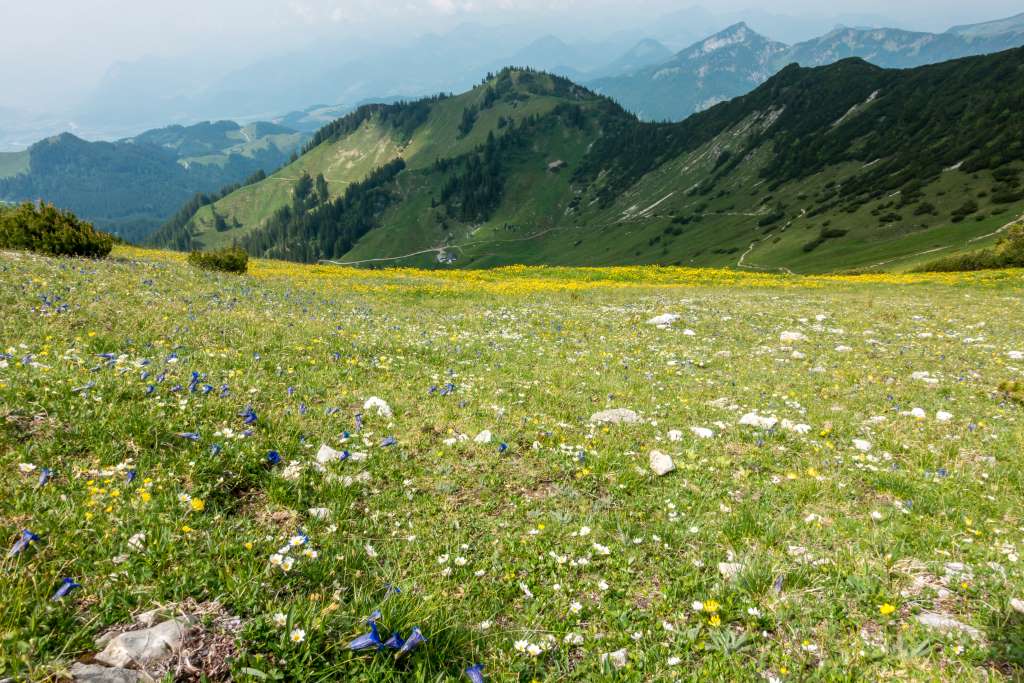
x: 132, y: 186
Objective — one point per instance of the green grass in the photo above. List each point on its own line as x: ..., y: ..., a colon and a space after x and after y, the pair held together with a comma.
x: 532, y: 353
x: 13, y: 163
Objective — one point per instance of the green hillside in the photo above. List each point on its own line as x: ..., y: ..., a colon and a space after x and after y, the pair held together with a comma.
x: 848, y: 166
x: 420, y: 133
x: 132, y: 186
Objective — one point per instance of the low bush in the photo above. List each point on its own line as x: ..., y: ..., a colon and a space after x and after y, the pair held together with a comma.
x: 48, y: 230
x: 227, y: 260
x: 1008, y: 253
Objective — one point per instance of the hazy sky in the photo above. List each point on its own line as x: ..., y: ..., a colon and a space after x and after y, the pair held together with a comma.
x: 59, y: 48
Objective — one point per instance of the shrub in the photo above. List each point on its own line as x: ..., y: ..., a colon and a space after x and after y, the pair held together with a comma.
x: 227, y: 260
x: 1008, y: 253
x: 49, y: 230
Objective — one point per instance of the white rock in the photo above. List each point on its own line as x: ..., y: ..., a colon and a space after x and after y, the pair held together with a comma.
x: 755, y: 420
x: 144, y: 647
x: 664, y: 320
x: 943, y: 416
x: 1016, y: 355
x: 615, y: 416
x: 661, y: 463
x: 137, y: 542
x: 689, y: 333
x: 862, y: 445
x: 675, y: 435
x: 93, y: 673
x: 729, y: 570
x: 945, y: 624
x: 327, y: 454
x: 842, y: 348
x: 702, y: 432
x: 319, y: 513
x: 483, y: 437
x: 617, y: 659
x: 378, y: 404
x: 787, y: 337
x: 1017, y: 605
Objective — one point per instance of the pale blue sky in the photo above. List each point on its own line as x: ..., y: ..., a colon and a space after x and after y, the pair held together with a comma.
x: 60, y: 48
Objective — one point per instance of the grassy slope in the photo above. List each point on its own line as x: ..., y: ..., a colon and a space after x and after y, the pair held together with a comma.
x: 13, y: 163
x: 535, y: 206
x: 532, y: 354
x: 353, y: 157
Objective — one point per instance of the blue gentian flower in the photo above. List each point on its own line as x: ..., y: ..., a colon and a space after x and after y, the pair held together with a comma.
x: 44, y: 476
x: 144, y: 375
x: 215, y: 449
x: 273, y: 457
x: 302, y: 409
x: 388, y: 441
x: 395, y: 642
x: 150, y: 389
x: 130, y: 477
x: 291, y: 391
x: 194, y: 382
x: 448, y: 389
x: 191, y: 436
x: 224, y: 391
x: 161, y: 377
x: 27, y: 538
x: 359, y: 422
x: 66, y: 586
x: 475, y: 673
x: 414, y: 640
x: 249, y: 415
x: 432, y: 390
x: 367, y: 641
x: 374, y: 617
x: 502, y: 447
x: 207, y: 388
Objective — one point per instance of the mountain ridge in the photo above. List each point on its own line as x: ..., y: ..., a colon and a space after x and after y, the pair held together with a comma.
x: 817, y: 168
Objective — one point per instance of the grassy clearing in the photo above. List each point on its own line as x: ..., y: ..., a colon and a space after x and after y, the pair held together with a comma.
x: 786, y: 553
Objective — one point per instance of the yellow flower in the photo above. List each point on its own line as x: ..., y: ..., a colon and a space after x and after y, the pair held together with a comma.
x: 711, y: 606
x: 715, y: 620
x: 186, y: 528
x: 886, y: 609
x: 198, y: 505
x: 248, y: 545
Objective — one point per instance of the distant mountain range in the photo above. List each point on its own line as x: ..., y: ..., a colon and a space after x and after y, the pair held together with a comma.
x: 736, y: 60
x: 132, y: 186
x: 845, y: 166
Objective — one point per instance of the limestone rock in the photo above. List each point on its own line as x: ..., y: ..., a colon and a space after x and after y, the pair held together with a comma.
x: 144, y: 647
x: 945, y: 624
x: 661, y: 463
x: 617, y: 659
x: 664, y: 321
x: 93, y: 673
x: 615, y: 416
x: 379, y: 405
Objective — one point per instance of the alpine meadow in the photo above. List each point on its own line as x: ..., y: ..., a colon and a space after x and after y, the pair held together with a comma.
x: 502, y: 342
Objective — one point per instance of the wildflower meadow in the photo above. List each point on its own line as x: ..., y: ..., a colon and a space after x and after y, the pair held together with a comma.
x: 524, y: 474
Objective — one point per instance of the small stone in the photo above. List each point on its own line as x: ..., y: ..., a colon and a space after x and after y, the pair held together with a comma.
x: 137, y: 542
x: 483, y: 437
x: 326, y: 454
x: 792, y: 337
x: 617, y: 659
x: 146, y: 646
x: 319, y: 513
x: 945, y: 624
x: 661, y: 463
x: 664, y: 320
x: 379, y: 405
x: 729, y: 570
x: 92, y: 673
x: 615, y: 416
x: 1017, y: 605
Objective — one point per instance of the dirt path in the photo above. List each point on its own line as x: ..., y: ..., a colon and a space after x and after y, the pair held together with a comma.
x: 451, y: 247
x: 743, y: 257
